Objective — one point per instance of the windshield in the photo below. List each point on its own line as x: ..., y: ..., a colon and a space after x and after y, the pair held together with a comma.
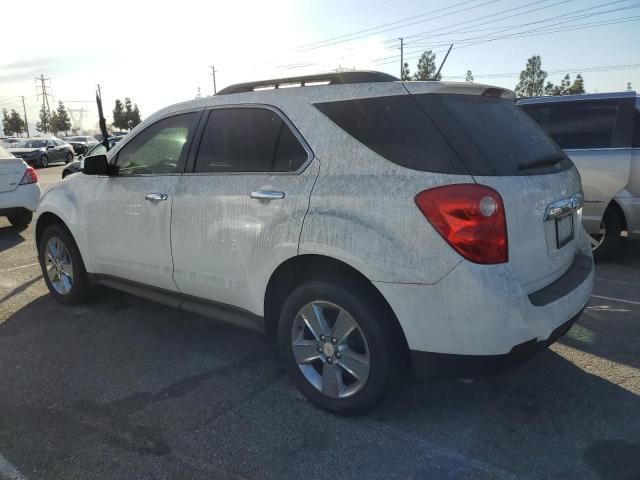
x: 31, y: 144
x: 99, y: 149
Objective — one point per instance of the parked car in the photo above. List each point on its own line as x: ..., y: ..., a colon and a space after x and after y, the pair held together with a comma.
x: 374, y: 226
x: 19, y: 190
x: 601, y: 134
x: 7, y: 142
x: 81, y: 144
x: 97, y: 149
x: 42, y: 151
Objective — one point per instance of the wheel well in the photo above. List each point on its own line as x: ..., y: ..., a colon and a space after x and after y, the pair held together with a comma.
x: 615, y: 206
x: 46, y: 220
x: 299, y: 269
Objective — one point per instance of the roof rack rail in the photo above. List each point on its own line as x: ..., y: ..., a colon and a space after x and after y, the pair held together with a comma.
x: 339, y: 78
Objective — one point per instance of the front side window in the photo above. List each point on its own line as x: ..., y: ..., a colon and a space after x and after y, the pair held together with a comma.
x: 636, y: 129
x: 248, y: 140
x: 159, y: 148
x: 577, y: 125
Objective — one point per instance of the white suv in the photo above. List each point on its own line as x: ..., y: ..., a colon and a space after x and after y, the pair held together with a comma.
x: 363, y: 220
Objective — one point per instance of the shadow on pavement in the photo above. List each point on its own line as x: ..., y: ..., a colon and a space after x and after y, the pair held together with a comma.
x: 10, y: 237
x: 126, y: 388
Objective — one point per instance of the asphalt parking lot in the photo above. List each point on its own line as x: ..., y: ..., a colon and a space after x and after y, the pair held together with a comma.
x: 124, y: 388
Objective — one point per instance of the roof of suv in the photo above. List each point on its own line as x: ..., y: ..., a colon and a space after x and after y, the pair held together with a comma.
x: 327, y: 87
x: 578, y: 97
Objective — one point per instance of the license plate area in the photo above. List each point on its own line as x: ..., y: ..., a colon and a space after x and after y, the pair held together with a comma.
x: 564, y: 230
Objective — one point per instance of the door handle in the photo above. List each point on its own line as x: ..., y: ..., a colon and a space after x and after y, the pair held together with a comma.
x: 267, y: 195
x: 156, y: 197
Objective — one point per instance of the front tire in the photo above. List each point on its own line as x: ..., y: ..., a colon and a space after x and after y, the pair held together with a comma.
x: 338, y: 345
x: 62, y: 266
x: 21, y: 220
x: 44, y: 161
x: 69, y: 158
x: 605, y: 244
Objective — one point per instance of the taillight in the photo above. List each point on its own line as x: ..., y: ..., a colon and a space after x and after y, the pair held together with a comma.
x: 30, y: 176
x: 470, y: 218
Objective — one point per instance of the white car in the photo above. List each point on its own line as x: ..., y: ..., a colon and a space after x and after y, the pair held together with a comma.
x: 374, y: 225
x: 19, y: 190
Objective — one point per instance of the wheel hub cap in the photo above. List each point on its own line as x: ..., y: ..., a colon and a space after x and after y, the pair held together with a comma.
x: 330, y: 349
x: 58, y: 265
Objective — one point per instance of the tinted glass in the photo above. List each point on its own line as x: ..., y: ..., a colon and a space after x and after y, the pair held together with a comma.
x: 495, y: 131
x: 579, y: 124
x: 159, y: 148
x: 97, y: 150
x: 248, y: 140
x: 398, y: 129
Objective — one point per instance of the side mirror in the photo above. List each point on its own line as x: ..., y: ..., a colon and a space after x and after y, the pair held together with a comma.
x: 98, y: 165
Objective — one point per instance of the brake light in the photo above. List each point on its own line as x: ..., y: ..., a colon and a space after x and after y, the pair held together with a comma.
x: 470, y: 218
x: 30, y: 176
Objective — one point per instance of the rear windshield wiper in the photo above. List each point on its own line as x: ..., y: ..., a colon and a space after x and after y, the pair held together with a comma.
x: 541, y: 162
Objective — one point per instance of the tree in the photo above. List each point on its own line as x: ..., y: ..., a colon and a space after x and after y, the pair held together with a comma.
x: 469, y: 77
x: 63, y: 121
x: 532, y: 79
x: 54, y: 123
x: 406, y: 73
x: 427, y: 67
x: 44, y: 125
x: 629, y: 86
x: 119, y: 120
x: 577, y: 86
x: 549, y: 89
x: 128, y: 113
x: 16, y: 123
x: 6, y: 122
x: 135, y: 116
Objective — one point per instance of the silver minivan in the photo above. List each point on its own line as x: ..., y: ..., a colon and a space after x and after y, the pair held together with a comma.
x: 601, y: 134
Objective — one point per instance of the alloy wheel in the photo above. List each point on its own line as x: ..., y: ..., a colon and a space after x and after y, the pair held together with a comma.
x: 59, y: 266
x: 330, y: 349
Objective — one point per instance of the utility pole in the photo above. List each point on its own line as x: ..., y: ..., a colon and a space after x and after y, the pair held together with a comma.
x: 401, y: 58
x: 45, y: 95
x: 26, y: 122
x: 213, y: 73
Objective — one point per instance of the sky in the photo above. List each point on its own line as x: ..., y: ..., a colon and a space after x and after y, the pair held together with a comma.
x: 159, y: 53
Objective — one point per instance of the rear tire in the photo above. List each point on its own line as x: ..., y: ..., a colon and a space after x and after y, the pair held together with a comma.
x: 610, y: 238
x: 62, y: 266
x: 363, y: 361
x: 21, y: 220
x: 44, y: 161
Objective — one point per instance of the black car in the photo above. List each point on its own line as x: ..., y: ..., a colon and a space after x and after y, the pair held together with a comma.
x: 82, y: 144
x: 97, y: 149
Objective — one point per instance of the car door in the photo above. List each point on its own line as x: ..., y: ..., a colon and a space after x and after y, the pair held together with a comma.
x: 239, y: 213
x: 129, y: 214
x: 53, y: 151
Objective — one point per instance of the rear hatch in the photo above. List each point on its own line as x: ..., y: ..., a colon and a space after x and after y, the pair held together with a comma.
x: 504, y: 149
x: 11, y: 171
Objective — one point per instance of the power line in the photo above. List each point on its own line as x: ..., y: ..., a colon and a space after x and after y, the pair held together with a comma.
x: 464, y: 43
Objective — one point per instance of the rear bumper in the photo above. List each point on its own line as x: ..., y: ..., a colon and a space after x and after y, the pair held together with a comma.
x: 23, y: 197
x: 482, y: 310
x: 432, y: 365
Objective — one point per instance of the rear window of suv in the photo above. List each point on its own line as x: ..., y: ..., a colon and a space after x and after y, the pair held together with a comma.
x: 450, y: 133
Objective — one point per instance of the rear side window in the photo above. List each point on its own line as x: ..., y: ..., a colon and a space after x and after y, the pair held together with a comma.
x: 248, y: 140
x: 396, y: 128
x: 578, y: 125
x: 494, y: 136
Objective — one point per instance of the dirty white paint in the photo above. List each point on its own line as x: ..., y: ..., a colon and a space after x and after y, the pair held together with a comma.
x: 211, y: 240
